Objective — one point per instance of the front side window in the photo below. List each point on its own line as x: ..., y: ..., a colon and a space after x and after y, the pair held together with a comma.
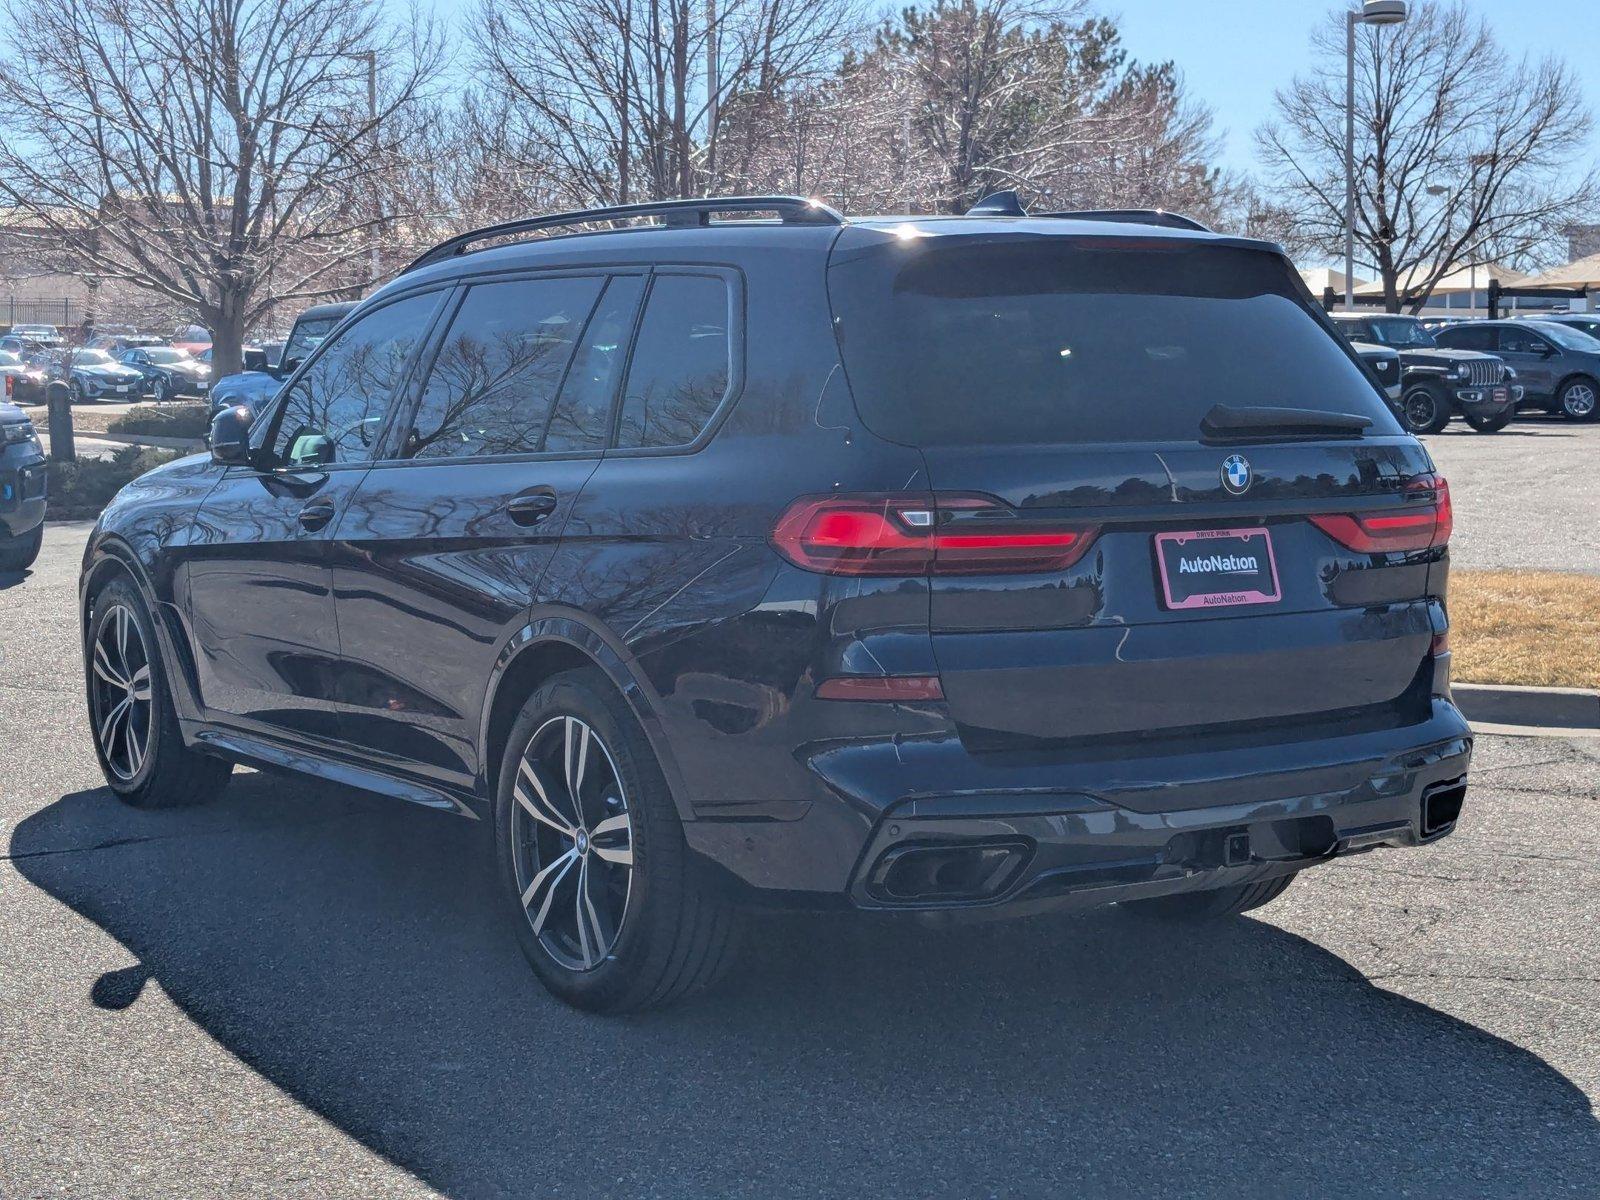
x: 1520, y: 341
x: 682, y: 362
x: 493, y: 386
x: 334, y: 411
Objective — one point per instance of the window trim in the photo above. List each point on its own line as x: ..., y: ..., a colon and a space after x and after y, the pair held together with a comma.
x: 403, y: 397
x: 435, y: 345
x: 733, y: 284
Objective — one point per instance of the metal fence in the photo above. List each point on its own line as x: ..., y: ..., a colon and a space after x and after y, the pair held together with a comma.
x: 63, y: 312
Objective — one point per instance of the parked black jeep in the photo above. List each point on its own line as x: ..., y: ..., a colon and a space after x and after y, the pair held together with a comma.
x: 1436, y: 381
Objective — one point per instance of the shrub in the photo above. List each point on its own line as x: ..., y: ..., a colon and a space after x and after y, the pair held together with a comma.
x: 166, y: 420
x: 83, y: 488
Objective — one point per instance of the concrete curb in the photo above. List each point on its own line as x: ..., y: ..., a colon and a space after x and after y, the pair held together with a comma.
x: 147, y: 439
x: 1485, y: 704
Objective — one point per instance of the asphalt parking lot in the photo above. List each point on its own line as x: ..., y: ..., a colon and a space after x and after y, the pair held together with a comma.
x: 301, y: 991
x: 1526, y: 497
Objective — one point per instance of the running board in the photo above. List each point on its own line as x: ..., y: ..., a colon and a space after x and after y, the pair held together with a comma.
x: 257, y: 752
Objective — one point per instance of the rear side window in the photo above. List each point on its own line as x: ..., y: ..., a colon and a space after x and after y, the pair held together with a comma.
x: 682, y: 361
x: 1466, y: 337
x: 1021, y: 341
x: 582, y: 418
x: 493, y: 386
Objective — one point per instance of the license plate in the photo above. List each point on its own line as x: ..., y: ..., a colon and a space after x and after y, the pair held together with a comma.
x: 1217, y: 568
x: 1500, y: 395
x: 122, y: 387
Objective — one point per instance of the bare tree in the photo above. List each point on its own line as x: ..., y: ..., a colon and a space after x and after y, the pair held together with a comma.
x: 220, y: 153
x: 970, y: 96
x: 617, y: 93
x: 1462, y: 155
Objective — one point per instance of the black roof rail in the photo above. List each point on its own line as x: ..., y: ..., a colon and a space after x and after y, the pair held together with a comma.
x: 792, y: 210
x: 1132, y: 216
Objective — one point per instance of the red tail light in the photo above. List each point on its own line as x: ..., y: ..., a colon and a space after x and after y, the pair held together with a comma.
x: 914, y: 534
x: 1421, y: 525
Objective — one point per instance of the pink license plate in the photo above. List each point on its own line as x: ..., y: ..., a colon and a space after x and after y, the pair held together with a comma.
x: 1217, y: 568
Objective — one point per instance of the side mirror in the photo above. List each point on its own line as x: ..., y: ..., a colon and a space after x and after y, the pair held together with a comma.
x: 230, y: 436
x: 1546, y: 350
x: 255, y: 360
x: 286, y: 367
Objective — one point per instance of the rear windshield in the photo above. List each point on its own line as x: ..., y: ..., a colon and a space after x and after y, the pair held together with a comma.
x: 1012, y: 341
x: 1399, y: 331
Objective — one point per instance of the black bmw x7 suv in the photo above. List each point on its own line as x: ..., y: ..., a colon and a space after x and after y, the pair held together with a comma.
x: 996, y: 562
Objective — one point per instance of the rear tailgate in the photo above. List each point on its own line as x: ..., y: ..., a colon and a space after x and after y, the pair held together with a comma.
x: 1102, y: 647
x: 1071, y: 384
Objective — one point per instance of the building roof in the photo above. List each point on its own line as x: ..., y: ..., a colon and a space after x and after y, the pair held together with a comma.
x: 1583, y: 273
x: 1458, y: 280
x: 1320, y: 279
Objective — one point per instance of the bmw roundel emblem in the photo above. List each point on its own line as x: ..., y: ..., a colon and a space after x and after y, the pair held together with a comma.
x: 1236, y: 474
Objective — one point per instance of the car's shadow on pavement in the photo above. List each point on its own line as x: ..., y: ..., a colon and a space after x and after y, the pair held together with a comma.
x: 11, y: 579
x: 347, y: 951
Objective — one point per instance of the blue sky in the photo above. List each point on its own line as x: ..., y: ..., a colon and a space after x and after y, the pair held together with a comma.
x: 1234, y: 53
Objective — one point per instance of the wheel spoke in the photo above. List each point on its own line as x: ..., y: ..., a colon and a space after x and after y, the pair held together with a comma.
x: 141, y: 683
x: 530, y: 793
x: 576, y: 770
x: 121, y: 615
x: 133, y: 744
x: 597, y: 920
x: 104, y: 669
x: 612, y: 840
x: 108, y: 723
x: 546, y: 881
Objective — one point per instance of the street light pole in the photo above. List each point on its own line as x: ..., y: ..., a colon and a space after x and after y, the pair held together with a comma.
x: 374, y: 265
x: 1372, y: 12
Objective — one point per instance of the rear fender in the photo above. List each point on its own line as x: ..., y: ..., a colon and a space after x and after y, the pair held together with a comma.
x: 607, y: 655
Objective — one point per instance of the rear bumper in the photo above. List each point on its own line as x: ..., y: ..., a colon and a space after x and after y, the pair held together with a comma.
x: 1049, y: 833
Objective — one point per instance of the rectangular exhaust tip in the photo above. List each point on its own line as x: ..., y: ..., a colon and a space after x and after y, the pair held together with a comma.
x: 1441, y: 806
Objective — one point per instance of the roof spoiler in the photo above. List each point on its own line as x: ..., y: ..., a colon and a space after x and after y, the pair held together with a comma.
x: 1009, y: 204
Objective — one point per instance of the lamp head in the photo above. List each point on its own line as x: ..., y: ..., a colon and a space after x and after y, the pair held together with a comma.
x: 1383, y: 12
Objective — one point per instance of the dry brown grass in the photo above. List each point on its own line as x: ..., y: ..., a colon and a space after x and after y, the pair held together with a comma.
x: 1540, y: 628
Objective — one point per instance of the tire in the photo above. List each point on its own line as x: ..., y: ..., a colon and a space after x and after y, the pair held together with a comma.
x: 75, y: 393
x: 1213, y: 904
x: 157, y: 771
x: 158, y: 391
x: 670, y: 932
x: 1423, y: 410
x: 18, y: 553
x: 1577, y: 399
x: 1491, y: 424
